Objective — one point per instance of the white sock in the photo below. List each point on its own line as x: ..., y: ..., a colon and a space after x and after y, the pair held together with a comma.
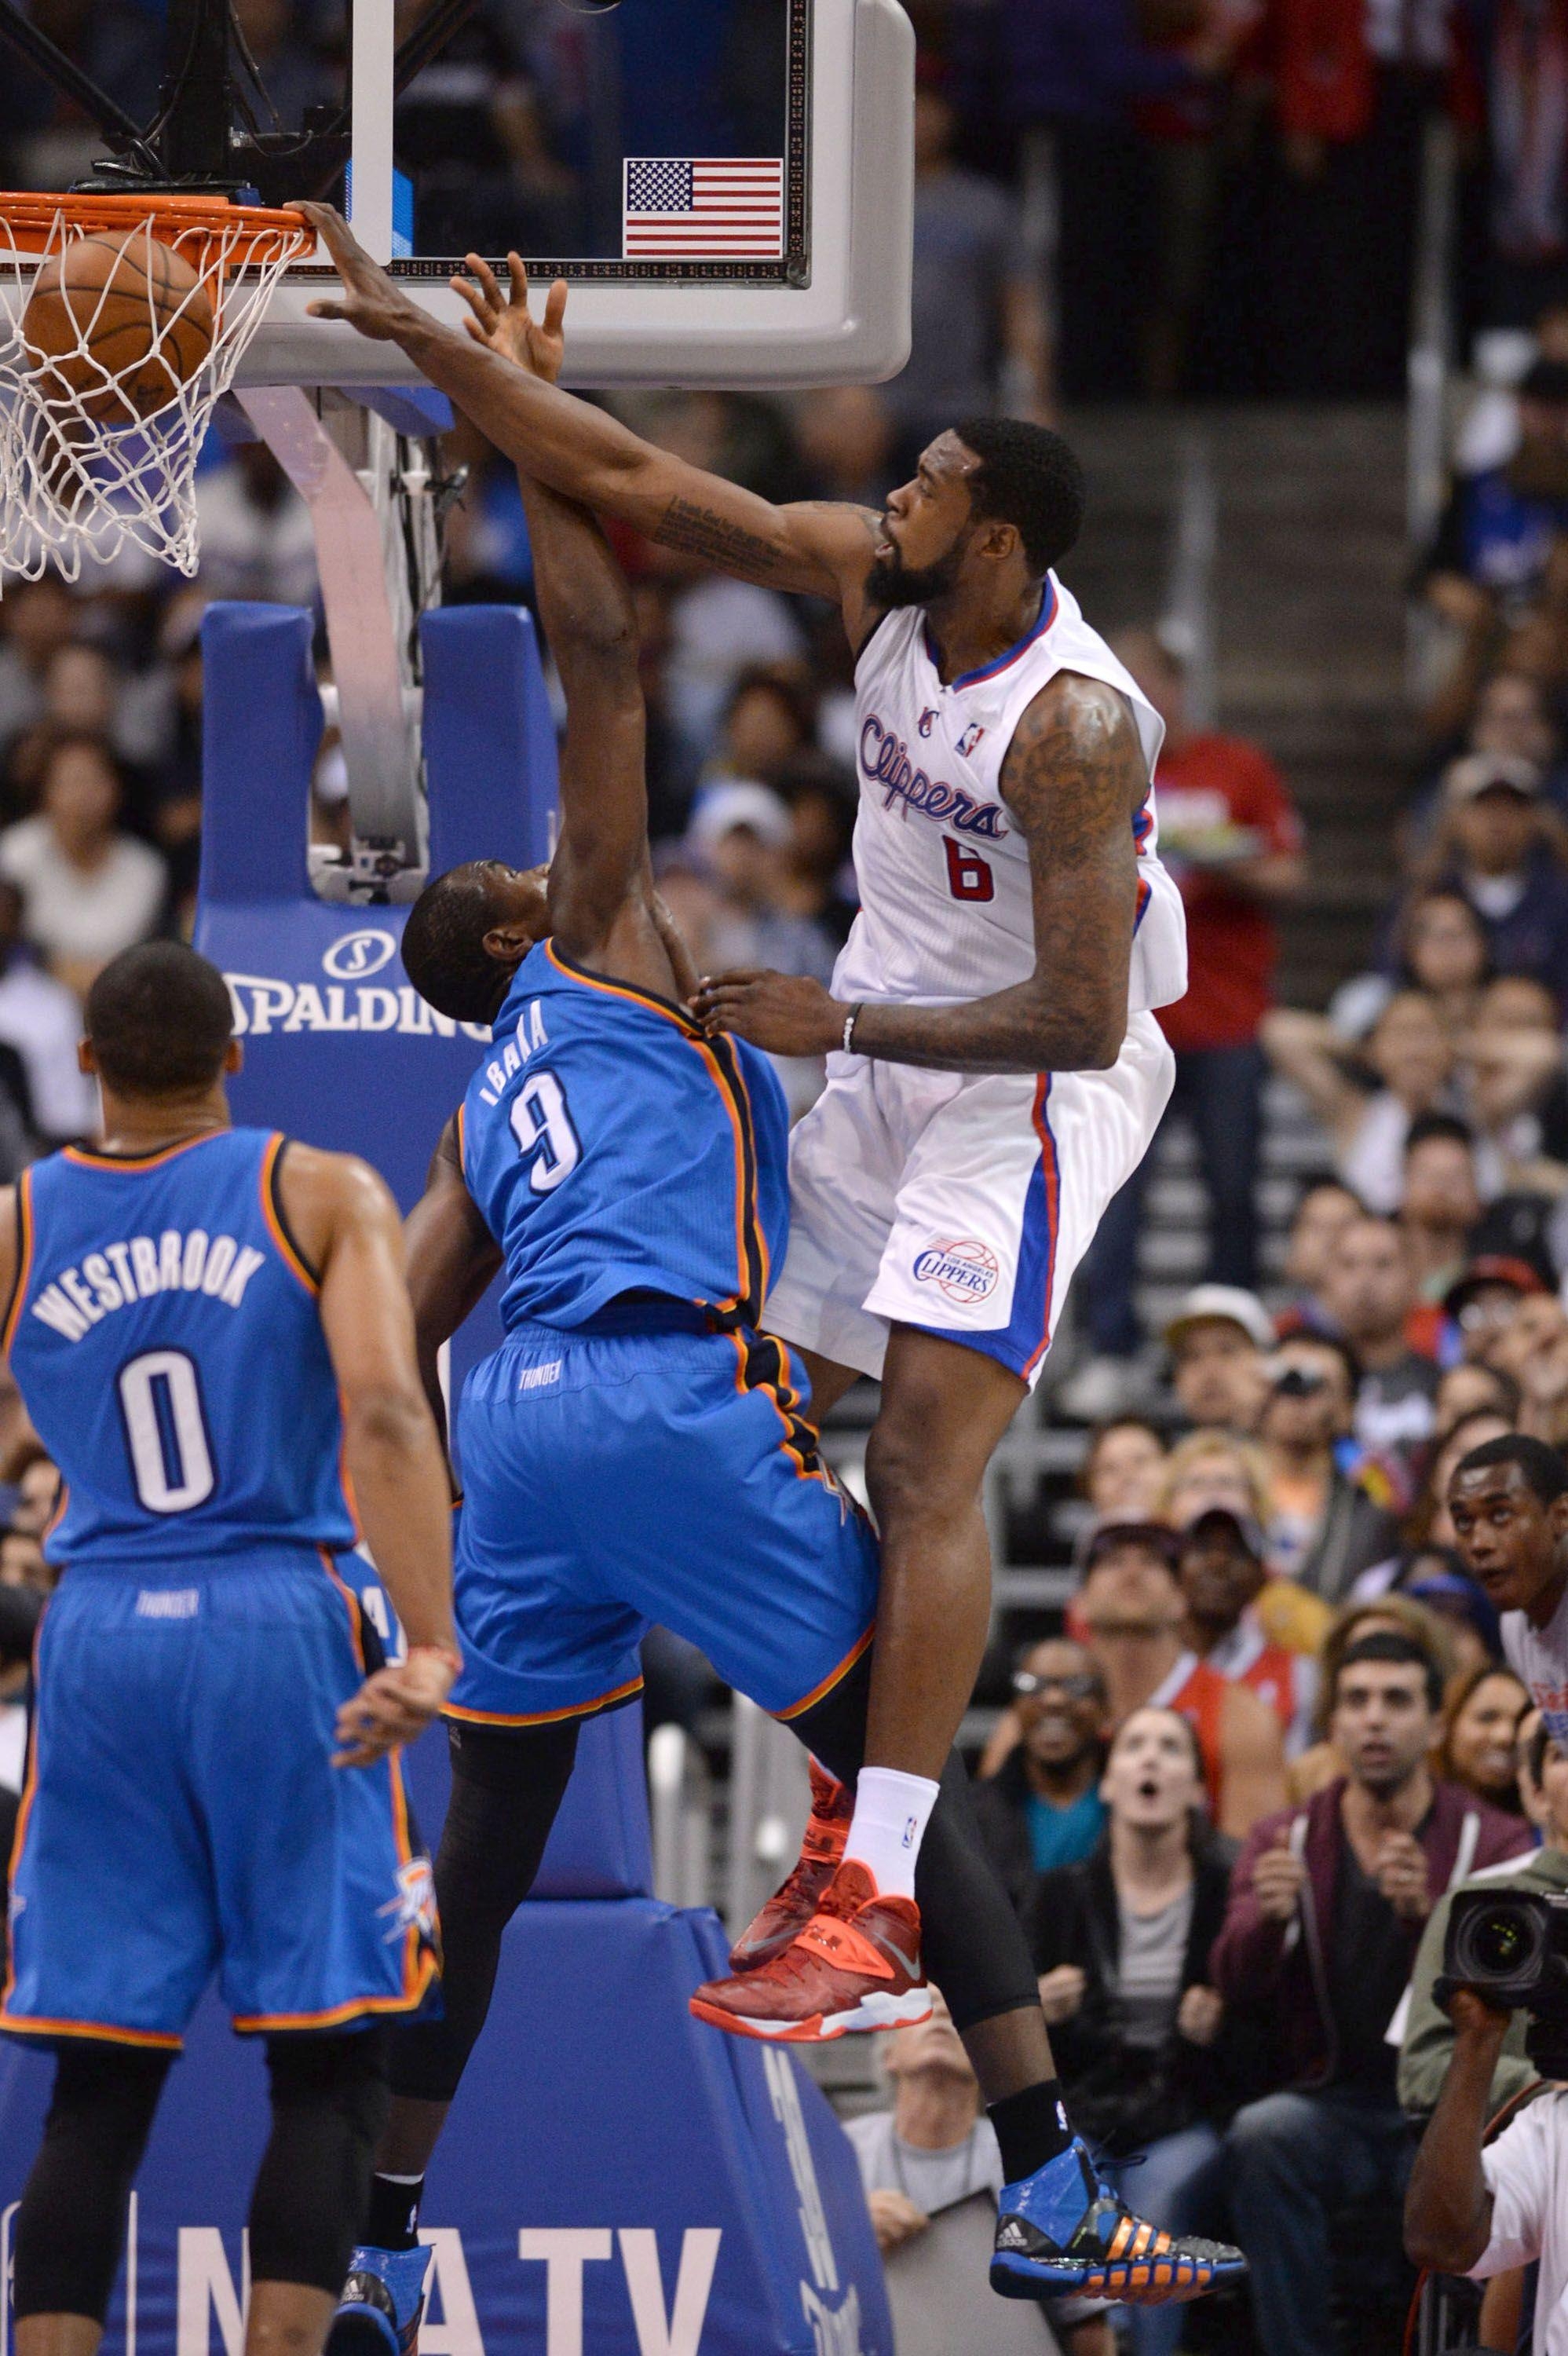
x: 891, y: 1812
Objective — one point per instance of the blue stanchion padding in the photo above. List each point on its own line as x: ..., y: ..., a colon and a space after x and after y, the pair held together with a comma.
x: 695, y: 2193
x: 486, y: 719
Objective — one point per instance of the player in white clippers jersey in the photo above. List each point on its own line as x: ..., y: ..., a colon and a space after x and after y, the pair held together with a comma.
x: 995, y: 1071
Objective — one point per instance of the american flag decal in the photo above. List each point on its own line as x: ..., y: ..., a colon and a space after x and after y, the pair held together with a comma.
x: 703, y: 206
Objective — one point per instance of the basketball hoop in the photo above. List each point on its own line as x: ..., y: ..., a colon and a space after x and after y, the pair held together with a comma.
x: 90, y: 461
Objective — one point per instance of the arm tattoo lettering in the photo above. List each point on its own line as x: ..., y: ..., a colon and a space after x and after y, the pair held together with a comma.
x: 698, y: 530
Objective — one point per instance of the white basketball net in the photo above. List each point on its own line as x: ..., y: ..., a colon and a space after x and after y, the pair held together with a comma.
x: 74, y: 489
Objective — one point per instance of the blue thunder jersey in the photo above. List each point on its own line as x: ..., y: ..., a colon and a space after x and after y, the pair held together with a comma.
x: 165, y: 1335
x: 612, y: 1148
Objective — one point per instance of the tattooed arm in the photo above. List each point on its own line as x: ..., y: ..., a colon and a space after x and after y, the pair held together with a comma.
x: 822, y: 549
x: 1073, y: 780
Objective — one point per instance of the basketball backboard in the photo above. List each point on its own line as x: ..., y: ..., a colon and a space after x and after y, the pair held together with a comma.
x: 726, y: 184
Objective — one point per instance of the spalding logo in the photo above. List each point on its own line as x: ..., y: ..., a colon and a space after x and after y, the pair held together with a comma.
x: 966, y: 1270
x: 358, y: 954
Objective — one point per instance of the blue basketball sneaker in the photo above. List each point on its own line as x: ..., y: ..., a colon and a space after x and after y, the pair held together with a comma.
x: 382, y: 2303
x: 1063, y: 2230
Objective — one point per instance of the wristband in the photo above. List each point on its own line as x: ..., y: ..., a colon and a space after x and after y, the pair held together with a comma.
x: 849, y: 1021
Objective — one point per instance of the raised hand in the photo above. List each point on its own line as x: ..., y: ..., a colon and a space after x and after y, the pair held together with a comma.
x: 372, y: 301
x: 1277, y: 1878
x: 503, y: 322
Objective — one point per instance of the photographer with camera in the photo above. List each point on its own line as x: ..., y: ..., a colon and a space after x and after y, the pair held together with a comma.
x: 1482, y: 2208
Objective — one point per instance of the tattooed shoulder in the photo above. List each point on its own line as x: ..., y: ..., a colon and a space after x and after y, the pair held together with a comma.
x: 1075, y: 769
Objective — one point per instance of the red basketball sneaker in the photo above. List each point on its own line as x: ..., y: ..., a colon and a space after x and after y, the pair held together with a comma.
x: 794, y: 1903
x: 856, y: 1966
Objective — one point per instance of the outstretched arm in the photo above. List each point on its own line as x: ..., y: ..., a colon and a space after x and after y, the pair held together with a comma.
x: 448, y: 1258
x: 1073, y: 781
x: 822, y: 549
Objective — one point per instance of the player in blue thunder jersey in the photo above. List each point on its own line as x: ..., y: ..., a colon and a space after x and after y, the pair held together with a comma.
x: 638, y: 1451
x: 212, y: 1336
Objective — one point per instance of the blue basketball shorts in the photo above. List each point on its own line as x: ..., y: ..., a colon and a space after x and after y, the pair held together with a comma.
x: 637, y: 1473
x: 183, y: 1818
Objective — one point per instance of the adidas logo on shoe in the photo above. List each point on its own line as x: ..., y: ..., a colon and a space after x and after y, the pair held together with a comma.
x: 1011, y: 2237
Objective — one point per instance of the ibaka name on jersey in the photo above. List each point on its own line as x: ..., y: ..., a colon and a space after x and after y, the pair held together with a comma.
x: 74, y: 1299
x: 512, y: 1056
x: 885, y: 759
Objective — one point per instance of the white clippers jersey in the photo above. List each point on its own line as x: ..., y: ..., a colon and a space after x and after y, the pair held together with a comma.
x: 945, y: 907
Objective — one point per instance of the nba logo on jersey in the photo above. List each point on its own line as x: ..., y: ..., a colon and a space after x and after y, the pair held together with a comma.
x: 970, y: 739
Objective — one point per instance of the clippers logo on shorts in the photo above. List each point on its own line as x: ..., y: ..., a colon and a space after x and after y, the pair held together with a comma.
x: 961, y: 1271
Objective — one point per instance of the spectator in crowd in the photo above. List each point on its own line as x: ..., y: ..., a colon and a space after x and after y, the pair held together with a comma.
x: 1467, y: 1384
x: 1497, y: 843
x: 1122, y: 1470
x: 1409, y: 1054
x: 40, y: 618
x: 1478, y: 1747
x: 1391, y: 1614
x: 90, y: 890
x: 1217, y: 1341
x: 1221, y: 1570
x: 1326, y: 1528
x: 1495, y: 541
x: 1436, y: 1577
x: 257, y: 539
x: 1532, y: 1352
x: 1439, y: 947
x: 1120, y: 1940
x: 932, y: 2151
x: 1134, y: 1612
x: 741, y: 831
x: 1484, y: 1302
x: 1324, y: 1209
x: 980, y: 337
x: 1427, y: 2041
x: 1041, y: 1806
x: 42, y: 1022
x: 766, y: 726
x: 1516, y: 1098
x: 1326, y: 1907
x: 1229, y: 835
x: 1217, y: 1467
x: 818, y: 884
x: 1368, y: 1292
x: 1441, y: 1202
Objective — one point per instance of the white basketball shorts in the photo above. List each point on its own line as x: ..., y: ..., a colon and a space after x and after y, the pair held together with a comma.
x: 958, y: 1203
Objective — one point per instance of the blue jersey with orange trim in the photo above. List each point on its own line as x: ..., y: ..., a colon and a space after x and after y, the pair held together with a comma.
x: 612, y: 1148
x: 164, y: 1334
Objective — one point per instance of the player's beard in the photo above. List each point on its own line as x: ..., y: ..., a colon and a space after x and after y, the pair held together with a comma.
x: 891, y: 582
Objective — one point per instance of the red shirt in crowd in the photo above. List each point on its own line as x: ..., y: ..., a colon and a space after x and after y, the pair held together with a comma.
x: 1206, y: 783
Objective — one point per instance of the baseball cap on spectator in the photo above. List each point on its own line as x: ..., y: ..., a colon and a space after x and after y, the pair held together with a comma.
x: 1240, y: 1525
x: 1105, y: 1537
x: 1454, y: 1597
x: 1493, y: 1268
x: 739, y: 801
x: 1228, y: 1305
x: 1479, y: 773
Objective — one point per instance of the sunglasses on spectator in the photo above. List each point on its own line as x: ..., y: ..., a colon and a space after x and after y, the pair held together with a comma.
x: 1083, y: 1685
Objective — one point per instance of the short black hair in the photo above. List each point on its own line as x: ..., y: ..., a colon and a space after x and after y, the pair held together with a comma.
x: 1389, y: 1645
x: 1429, y: 1125
x: 160, y: 1018
x: 1028, y: 477
x: 443, y: 944
x: 1320, y: 1182
x: 1542, y: 1468
x: 1541, y: 1743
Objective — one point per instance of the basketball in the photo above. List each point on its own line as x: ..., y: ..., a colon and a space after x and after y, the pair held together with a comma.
x: 118, y: 320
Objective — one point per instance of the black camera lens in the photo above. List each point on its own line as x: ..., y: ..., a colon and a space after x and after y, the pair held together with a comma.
x: 1299, y: 1382
x: 1500, y: 1942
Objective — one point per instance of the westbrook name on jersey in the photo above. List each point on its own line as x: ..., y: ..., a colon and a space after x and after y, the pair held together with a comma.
x: 166, y: 1336
x: 637, y: 1450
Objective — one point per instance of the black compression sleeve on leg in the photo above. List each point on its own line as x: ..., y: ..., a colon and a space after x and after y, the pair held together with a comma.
x: 312, y: 2190
x: 508, y: 1785
x: 975, y: 1948
x: 72, y: 2222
